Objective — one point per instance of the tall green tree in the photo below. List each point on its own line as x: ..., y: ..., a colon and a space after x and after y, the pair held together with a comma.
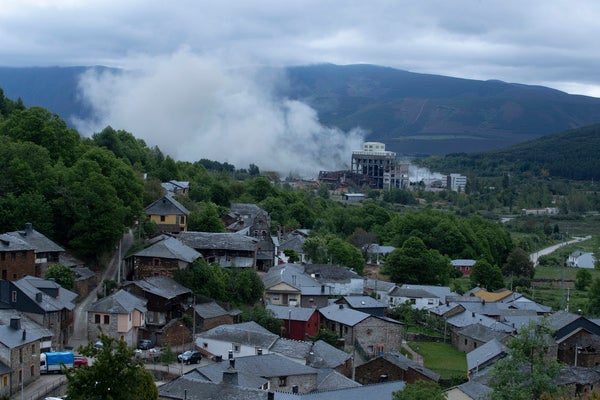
x: 420, y: 390
x: 62, y: 274
x: 115, y: 374
x: 486, y: 275
x: 415, y: 263
x: 593, y: 305
x: 529, y: 367
x: 518, y: 263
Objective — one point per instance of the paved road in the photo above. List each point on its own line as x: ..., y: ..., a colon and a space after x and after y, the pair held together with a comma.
x: 79, y: 337
x: 548, y: 250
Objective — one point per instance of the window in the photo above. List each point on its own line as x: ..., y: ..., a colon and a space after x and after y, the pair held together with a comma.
x: 4, y: 274
x: 182, y: 219
x: 465, y: 342
x: 106, y: 319
x: 96, y: 318
x: 345, y: 329
x: 283, y: 381
x: 156, y: 262
x: 14, y: 296
x: 20, y: 375
x: 32, y: 349
x: 21, y: 355
x: 162, y: 218
x: 5, y: 380
x: 205, y: 345
x: 370, y: 349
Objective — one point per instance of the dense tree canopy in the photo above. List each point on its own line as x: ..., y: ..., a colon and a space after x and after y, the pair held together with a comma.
x: 486, y: 275
x: 62, y: 274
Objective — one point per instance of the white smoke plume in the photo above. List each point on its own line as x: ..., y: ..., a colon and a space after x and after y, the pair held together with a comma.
x: 192, y: 108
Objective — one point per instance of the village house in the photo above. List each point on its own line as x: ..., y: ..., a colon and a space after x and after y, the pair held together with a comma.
x: 19, y: 352
x: 253, y: 221
x: 176, y: 187
x: 45, y: 302
x: 485, y: 356
x: 342, y: 281
x: 393, y: 366
x: 168, y: 214
x: 164, y: 299
x: 46, y: 251
x: 581, y: 259
x: 288, y: 285
x: 17, y: 258
x: 225, y: 249
x: 163, y: 256
x: 464, y: 266
x: 577, y: 339
x: 476, y: 335
x: 469, y: 390
x: 293, y: 240
x: 210, y: 314
x: 119, y: 316
x: 298, y: 323
x: 241, y: 340
x: 370, y: 335
x: 366, y: 304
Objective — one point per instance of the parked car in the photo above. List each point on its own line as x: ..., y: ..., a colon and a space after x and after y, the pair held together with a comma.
x: 145, y: 344
x: 80, y: 361
x: 99, y: 345
x: 190, y: 357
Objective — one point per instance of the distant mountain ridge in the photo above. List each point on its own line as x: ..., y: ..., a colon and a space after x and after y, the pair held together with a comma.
x: 412, y: 113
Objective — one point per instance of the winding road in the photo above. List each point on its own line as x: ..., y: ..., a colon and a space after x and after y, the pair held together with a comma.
x: 548, y: 250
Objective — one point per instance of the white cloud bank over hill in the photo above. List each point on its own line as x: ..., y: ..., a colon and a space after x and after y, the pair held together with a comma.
x: 193, y: 107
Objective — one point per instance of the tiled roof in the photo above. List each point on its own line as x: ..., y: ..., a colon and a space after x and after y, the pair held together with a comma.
x: 37, y: 240
x: 121, y: 302
x: 170, y: 248
x: 218, y: 241
x: 247, y: 333
x: 162, y: 286
x: 493, y: 296
x: 31, y: 286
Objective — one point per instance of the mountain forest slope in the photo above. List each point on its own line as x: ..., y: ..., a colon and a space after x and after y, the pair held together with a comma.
x: 414, y: 114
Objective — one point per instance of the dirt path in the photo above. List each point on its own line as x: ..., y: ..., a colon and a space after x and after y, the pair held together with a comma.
x: 416, y: 357
x: 79, y: 337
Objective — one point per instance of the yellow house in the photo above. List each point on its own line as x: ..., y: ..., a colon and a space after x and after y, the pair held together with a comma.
x: 170, y: 215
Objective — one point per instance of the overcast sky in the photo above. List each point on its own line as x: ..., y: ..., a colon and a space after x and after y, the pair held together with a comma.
x: 544, y: 42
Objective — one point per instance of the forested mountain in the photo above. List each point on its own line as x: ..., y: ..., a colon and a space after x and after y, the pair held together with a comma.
x: 572, y: 154
x: 414, y: 114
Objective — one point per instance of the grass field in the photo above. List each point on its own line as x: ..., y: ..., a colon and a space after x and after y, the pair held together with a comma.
x: 442, y: 358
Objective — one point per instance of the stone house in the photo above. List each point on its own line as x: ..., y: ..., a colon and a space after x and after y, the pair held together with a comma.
x: 366, y: 304
x: 4, y: 379
x: 485, y: 356
x: 293, y: 241
x: 162, y: 257
x: 342, y: 281
x: 476, y: 335
x: 164, y: 298
x: 120, y: 316
x: 174, y: 334
x: 577, y: 339
x: 17, y: 258
x: 45, y: 302
x: 370, y: 335
x: 253, y: 221
x: 210, y: 314
x: 169, y: 215
x: 19, y: 351
x: 288, y: 285
x: 393, y: 366
x: 46, y: 251
x: 225, y: 249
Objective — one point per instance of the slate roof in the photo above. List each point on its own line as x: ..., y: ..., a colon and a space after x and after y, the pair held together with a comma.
x: 324, y: 355
x: 4, y: 369
x: 466, y: 318
x: 82, y: 273
x: 247, y: 333
x: 482, y: 333
x: 376, y: 392
x: 161, y: 286
x: 519, y: 321
x: 479, y: 356
x: 411, y: 293
x: 378, y: 249
x: 331, y: 273
x: 406, y: 363
x: 263, y: 366
x: 218, y: 241
x: 30, y: 286
x: 330, y: 379
x: 343, y: 315
x: 121, y: 302
x: 358, y: 302
x: 571, y: 375
x: 184, y: 388
x: 166, y: 205
x: 37, y: 240
x: 214, y: 374
x: 463, y: 263
x: 374, y: 284
x: 295, y: 349
x: 523, y: 303
x: 13, y: 338
x: 173, y: 186
x: 560, y: 319
x: 293, y: 313
x: 210, y: 310
x: 475, y: 390
x: 26, y: 323
x: 11, y: 243
x: 293, y: 242
x: 169, y: 248
x: 293, y: 275
x: 440, y: 292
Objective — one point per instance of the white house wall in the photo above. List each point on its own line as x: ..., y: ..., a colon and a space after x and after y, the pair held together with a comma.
x: 218, y: 347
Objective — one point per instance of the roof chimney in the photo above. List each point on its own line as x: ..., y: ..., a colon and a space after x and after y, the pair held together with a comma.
x: 259, y: 351
x: 15, y: 323
x: 295, y: 389
x: 230, y: 354
x: 232, y: 363
x: 230, y: 375
x: 24, y: 335
x: 341, y: 306
x: 270, y: 396
x: 38, y: 297
x: 28, y: 228
x: 383, y: 378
